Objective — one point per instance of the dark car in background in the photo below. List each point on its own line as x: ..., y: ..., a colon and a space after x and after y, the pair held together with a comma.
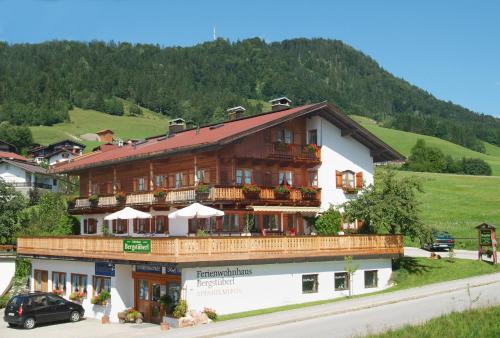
x: 30, y: 309
x: 441, y: 240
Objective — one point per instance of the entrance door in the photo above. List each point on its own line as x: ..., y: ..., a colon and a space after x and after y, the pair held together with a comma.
x: 41, y: 277
x: 148, y: 296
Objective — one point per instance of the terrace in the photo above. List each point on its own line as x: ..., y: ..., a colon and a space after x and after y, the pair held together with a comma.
x: 210, y: 249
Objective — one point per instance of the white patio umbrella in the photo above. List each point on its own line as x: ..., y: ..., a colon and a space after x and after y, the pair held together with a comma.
x: 127, y: 213
x: 196, y: 210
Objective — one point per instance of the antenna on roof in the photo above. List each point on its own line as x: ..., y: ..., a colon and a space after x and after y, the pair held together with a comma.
x: 215, y: 35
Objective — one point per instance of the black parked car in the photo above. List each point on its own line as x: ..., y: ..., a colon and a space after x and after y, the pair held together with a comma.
x: 31, y: 309
x: 441, y: 240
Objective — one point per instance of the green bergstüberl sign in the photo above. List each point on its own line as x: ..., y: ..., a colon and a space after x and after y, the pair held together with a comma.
x: 137, y: 245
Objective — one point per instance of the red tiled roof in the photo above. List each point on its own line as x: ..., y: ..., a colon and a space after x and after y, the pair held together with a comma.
x: 190, y: 139
x: 14, y: 156
x: 182, y: 140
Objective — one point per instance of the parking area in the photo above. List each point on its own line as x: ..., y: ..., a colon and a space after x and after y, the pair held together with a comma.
x: 83, y: 329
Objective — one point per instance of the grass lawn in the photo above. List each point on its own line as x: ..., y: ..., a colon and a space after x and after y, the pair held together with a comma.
x: 89, y: 121
x: 457, y: 203
x: 408, y: 273
x: 403, y: 141
x: 472, y: 323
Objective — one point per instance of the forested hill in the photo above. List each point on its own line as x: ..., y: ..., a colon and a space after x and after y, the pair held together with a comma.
x: 40, y: 82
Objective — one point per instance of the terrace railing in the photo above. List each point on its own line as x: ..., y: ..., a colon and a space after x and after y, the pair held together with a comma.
x: 213, y: 248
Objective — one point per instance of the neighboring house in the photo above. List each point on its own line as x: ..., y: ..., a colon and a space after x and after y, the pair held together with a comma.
x: 7, y: 147
x: 270, y: 174
x: 105, y: 136
x: 24, y: 175
x: 57, y: 152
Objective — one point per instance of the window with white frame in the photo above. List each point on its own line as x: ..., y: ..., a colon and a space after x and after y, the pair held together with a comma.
x: 178, y: 180
x: 348, y: 179
x: 313, y: 178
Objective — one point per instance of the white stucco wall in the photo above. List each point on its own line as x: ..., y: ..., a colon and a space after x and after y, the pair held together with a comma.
x: 13, y: 174
x: 272, y: 285
x: 7, y: 269
x: 122, y: 285
x: 338, y: 153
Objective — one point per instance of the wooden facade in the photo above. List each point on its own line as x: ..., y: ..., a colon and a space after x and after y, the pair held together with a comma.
x: 186, y: 250
x: 268, y: 158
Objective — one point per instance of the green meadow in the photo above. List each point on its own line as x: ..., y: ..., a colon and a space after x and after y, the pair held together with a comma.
x: 403, y: 141
x: 89, y: 121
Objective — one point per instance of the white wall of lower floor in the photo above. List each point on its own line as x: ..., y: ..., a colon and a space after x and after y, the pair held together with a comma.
x: 270, y: 285
x: 122, y: 285
x: 7, y: 270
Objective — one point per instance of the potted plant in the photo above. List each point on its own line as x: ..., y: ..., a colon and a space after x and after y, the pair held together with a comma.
x: 165, y: 302
x: 211, y: 314
x: 251, y: 191
x: 311, y: 148
x: 77, y: 296
x: 350, y: 190
x: 202, y: 192
x: 101, y: 299
x: 58, y: 292
x: 180, y: 309
x: 94, y: 200
x: 282, y: 192
x: 159, y: 194
x: 130, y: 316
x: 121, y: 197
x: 309, y: 193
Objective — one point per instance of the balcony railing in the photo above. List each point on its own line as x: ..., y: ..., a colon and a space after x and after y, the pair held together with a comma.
x: 284, y: 152
x: 178, y: 250
x: 216, y: 194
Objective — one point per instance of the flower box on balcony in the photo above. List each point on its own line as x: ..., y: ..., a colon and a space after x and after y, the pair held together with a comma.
x: 202, y: 192
x: 120, y: 197
x: 281, y: 146
x: 282, y: 192
x: 77, y: 296
x: 309, y: 193
x: 251, y: 191
x: 159, y: 194
x: 93, y: 200
x: 350, y: 190
x: 311, y: 148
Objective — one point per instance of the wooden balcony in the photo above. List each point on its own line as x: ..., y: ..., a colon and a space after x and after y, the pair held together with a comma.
x: 211, y: 249
x: 188, y: 195
x: 284, y: 152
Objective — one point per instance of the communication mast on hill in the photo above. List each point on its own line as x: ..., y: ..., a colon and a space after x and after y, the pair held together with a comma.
x: 215, y: 35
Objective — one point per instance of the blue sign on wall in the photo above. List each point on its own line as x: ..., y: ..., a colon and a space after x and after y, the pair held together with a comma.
x: 104, y: 269
x: 172, y: 269
x: 148, y: 268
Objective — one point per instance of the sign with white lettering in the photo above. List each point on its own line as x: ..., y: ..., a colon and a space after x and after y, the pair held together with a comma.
x: 137, y: 245
x: 104, y: 269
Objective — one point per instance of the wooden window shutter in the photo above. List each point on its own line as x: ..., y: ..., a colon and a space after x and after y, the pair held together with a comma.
x: 171, y: 181
x: 191, y: 178
x: 184, y: 179
x: 114, y: 226
x: 149, y: 222
x: 206, y: 176
x: 134, y: 182
x: 135, y: 225
x: 359, y: 180
x: 338, y: 178
x: 85, y: 226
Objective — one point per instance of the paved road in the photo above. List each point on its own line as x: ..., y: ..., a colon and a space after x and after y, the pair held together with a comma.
x: 462, y: 254
x: 339, y: 319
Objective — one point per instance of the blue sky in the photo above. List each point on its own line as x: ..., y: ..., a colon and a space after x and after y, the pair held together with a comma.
x: 449, y: 48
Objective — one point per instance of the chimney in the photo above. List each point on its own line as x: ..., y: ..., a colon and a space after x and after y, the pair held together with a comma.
x: 176, y: 125
x: 280, y: 103
x: 235, y: 112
